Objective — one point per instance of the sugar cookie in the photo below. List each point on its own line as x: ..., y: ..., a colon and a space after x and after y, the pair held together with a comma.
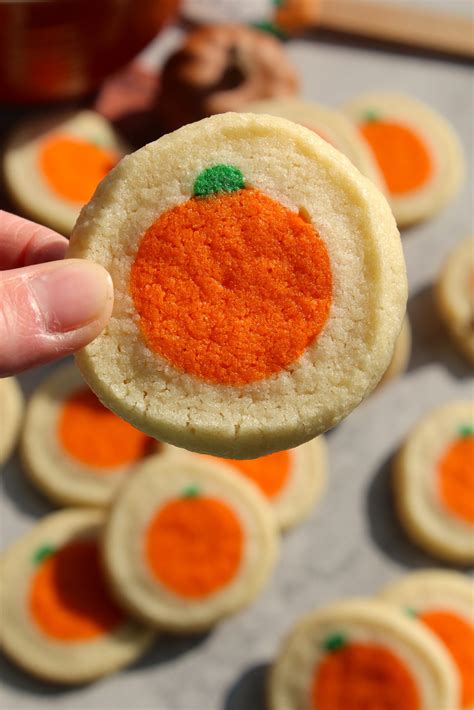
x: 58, y: 619
x: 455, y: 296
x: 443, y: 601
x: 259, y: 286
x: 291, y: 480
x: 73, y: 448
x: 330, y: 124
x: 401, y: 354
x: 188, y: 542
x: 434, y: 482
x: 358, y: 654
x: 417, y: 151
x: 11, y: 413
x: 53, y: 164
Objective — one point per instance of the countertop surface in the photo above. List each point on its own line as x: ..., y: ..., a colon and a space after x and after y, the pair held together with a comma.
x: 352, y: 544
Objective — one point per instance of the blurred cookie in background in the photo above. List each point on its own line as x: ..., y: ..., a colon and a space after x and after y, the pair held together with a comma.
x: 59, y: 621
x: 444, y: 602
x: 417, y: 150
x: 75, y: 450
x: 329, y: 124
x: 11, y: 413
x: 53, y: 163
x: 188, y: 542
x: 455, y: 296
x: 292, y: 480
x: 401, y: 354
x: 222, y: 68
x: 362, y: 653
x: 434, y: 482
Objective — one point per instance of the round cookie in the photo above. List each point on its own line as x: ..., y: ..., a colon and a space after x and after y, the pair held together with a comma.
x: 58, y: 620
x: 434, y: 482
x: 11, y: 413
x: 259, y: 286
x: 188, y: 542
x: 418, y: 152
x: 330, y: 124
x: 73, y: 448
x: 222, y: 68
x: 444, y: 602
x: 401, y: 354
x: 53, y: 163
x: 291, y: 480
x: 359, y: 654
x: 455, y: 296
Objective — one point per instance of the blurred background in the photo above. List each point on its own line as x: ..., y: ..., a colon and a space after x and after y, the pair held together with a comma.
x: 145, y: 67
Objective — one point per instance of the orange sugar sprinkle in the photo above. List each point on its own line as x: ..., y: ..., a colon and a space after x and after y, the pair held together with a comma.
x: 231, y: 288
x: 458, y: 636
x: 456, y: 478
x: 403, y: 157
x: 194, y: 545
x: 73, y: 167
x: 270, y: 473
x: 363, y: 676
x: 68, y: 596
x: 97, y: 437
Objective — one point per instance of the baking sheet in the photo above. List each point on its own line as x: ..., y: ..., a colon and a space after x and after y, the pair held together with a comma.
x: 352, y: 544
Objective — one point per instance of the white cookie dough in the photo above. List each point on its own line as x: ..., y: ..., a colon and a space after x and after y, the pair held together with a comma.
x: 423, y: 512
x: 455, y: 296
x: 11, y: 413
x: 24, y: 641
x: 360, y: 621
x: 24, y: 179
x: 294, y: 167
x: 439, y: 140
x: 61, y: 476
x: 160, y: 483
x: 331, y: 125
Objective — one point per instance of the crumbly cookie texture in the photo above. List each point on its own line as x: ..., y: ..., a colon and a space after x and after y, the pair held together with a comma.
x: 419, y: 129
x: 331, y: 125
x: 289, y: 165
x: 455, y: 296
x: 24, y: 179
x: 401, y: 354
x: 217, y: 559
x: 55, y: 657
x: 11, y: 413
x: 56, y: 471
x: 431, y: 478
x: 373, y: 629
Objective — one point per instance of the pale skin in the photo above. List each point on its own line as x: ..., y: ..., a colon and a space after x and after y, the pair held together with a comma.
x: 49, y: 306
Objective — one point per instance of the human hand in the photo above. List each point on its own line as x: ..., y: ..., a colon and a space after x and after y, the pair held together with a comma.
x: 49, y: 307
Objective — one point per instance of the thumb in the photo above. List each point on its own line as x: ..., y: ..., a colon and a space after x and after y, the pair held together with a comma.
x: 49, y: 310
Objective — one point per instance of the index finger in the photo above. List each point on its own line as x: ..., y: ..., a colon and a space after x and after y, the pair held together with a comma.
x: 23, y: 243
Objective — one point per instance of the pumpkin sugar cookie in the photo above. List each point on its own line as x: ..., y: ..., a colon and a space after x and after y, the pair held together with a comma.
x: 58, y: 620
x: 444, y: 602
x: 11, y: 413
x: 256, y: 252
x: 434, y: 482
x: 455, y: 296
x: 53, y: 164
x: 73, y: 448
x: 418, y: 152
x: 188, y: 542
x: 291, y: 480
x: 362, y: 654
x: 330, y: 124
x: 401, y: 354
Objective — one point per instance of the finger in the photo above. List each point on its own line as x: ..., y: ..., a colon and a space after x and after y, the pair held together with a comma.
x: 23, y: 242
x: 50, y: 310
